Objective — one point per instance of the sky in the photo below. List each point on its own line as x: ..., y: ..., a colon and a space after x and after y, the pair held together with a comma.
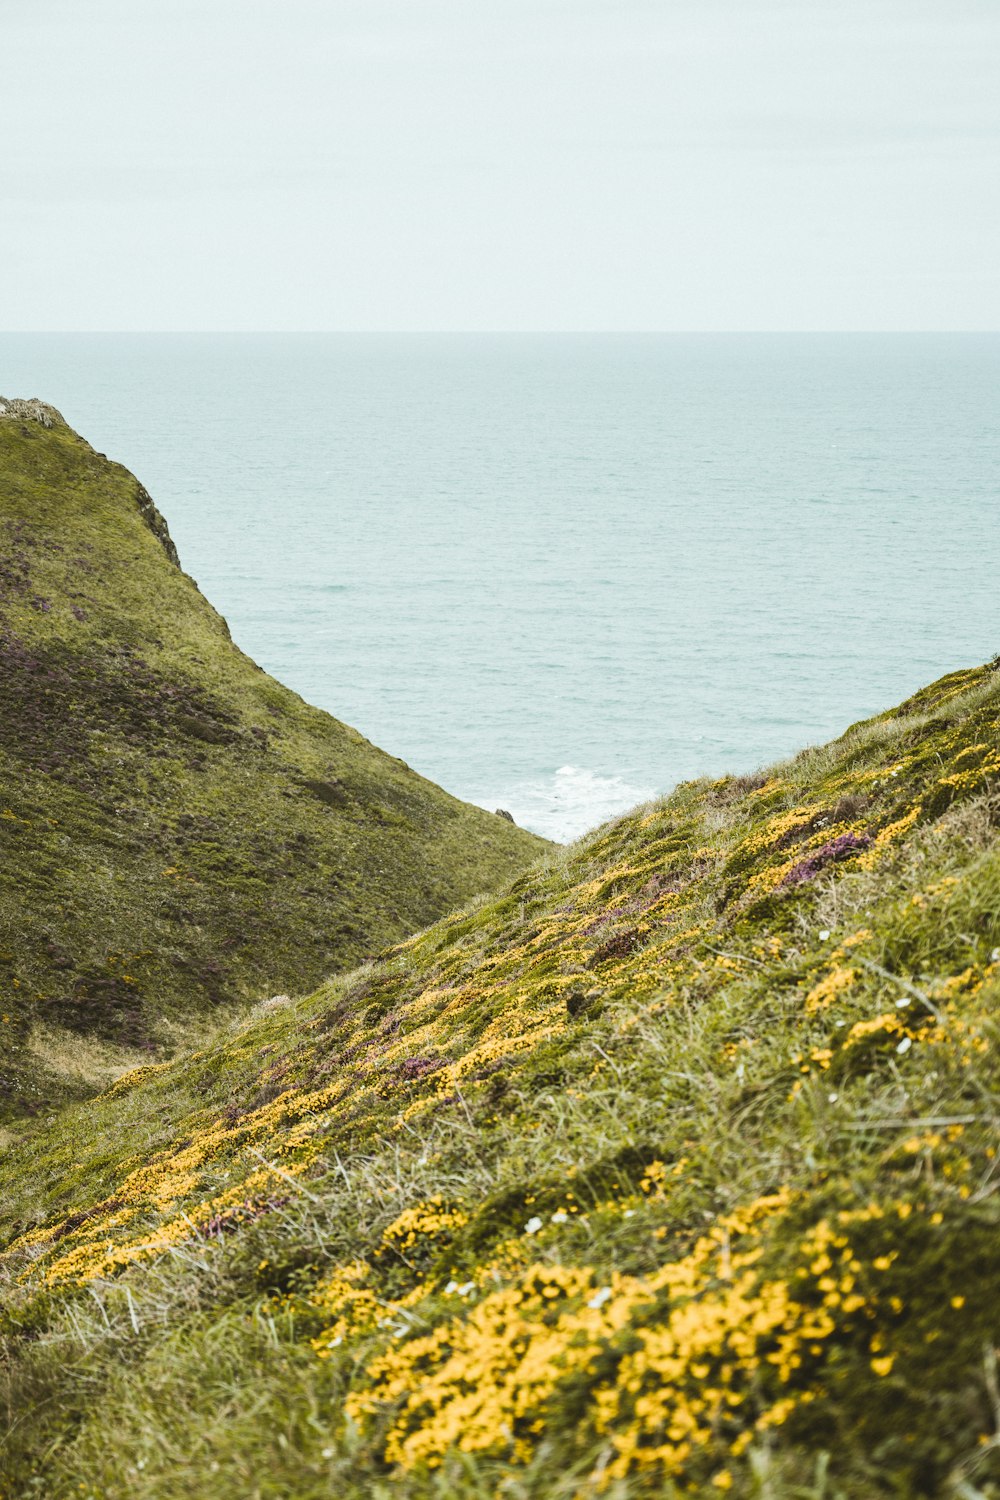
x: 499, y: 164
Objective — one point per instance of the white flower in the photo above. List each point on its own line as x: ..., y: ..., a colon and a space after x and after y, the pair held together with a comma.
x: 905, y: 1045
x: 451, y: 1287
x: 470, y: 1286
x: 560, y: 1216
x: 328, y: 1453
x: 599, y: 1298
x: 903, y: 1003
x: 628, y: 1213
x: 824, y: 934
x: 995, y: 956
x: 332, y: 1343
x: 533, y: 1225
x: 833, y: 1098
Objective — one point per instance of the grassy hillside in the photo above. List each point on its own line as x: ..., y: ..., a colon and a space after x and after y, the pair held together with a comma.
x: 672, y: 1170
x: 177, y: 830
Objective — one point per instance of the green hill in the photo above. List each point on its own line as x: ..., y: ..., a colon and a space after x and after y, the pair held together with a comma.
x: 671, y: 1170
x: 178, y: 831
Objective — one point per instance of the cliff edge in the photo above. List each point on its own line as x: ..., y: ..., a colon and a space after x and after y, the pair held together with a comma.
x: 178, y: 832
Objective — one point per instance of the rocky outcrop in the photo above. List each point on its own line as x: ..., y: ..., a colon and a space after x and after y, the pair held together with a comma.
x: 31, y: 410
x: 156, y: 523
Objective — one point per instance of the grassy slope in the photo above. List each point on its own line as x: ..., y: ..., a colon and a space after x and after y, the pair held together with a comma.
x: 177, y: 830
x: 673, y: 1165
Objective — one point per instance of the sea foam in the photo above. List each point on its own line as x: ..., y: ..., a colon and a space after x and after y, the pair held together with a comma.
x: 564, y: 805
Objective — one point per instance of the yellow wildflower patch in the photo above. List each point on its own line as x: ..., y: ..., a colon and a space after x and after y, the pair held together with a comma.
x: 702, y: 1347
x: 829, y: 988
x: 887, y: 1025
x: 425, y: 1223
x: 888, y: 836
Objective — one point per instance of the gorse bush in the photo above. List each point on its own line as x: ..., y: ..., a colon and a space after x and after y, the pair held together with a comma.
x: 669, y: 1170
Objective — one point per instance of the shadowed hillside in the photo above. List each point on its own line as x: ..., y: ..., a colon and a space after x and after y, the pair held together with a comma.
x: 177, y: 830
x: 670, y: 1170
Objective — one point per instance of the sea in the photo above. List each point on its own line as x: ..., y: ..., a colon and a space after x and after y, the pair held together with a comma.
x: 558, y: 574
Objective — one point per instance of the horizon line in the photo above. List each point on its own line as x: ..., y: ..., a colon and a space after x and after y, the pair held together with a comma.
x: 498, y: 332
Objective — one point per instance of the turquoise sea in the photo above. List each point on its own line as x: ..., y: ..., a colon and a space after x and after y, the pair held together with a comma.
x: 558, y: 573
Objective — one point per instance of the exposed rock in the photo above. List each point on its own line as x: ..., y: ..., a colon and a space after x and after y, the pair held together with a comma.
x: 31, y: 410
x: 503, y: 813
x: 155, y: 522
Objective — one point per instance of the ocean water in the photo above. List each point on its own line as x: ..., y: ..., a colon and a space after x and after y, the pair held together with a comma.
x: 559, y: 573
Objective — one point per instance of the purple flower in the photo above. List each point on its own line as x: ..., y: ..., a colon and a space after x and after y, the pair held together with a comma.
x: 416, y: 1067
x: 843, y: 847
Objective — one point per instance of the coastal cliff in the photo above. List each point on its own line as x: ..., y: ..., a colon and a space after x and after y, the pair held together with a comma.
x: 670, y: 1170
x: 178, y: 832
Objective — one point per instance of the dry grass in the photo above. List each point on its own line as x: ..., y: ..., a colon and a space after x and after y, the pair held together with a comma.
x: 82, y: 1060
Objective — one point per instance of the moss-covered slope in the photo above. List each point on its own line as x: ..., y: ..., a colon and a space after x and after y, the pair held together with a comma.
x: 673, y: 1169
x: 177, y: 830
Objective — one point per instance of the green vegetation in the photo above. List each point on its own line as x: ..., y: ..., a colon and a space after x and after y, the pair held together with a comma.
x: 670, y: 1170
x: 178, y: 832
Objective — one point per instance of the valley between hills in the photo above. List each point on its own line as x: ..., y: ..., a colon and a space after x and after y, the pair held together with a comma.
x: 360, y: 1144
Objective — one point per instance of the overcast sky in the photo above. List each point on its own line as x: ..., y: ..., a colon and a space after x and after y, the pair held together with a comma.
x: 499, y: 164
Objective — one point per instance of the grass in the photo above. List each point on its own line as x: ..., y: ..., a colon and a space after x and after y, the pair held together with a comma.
x: 670, y: 1169
x: 179, y: 834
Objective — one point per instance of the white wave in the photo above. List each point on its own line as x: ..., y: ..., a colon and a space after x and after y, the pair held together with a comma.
x: 569, y: 802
